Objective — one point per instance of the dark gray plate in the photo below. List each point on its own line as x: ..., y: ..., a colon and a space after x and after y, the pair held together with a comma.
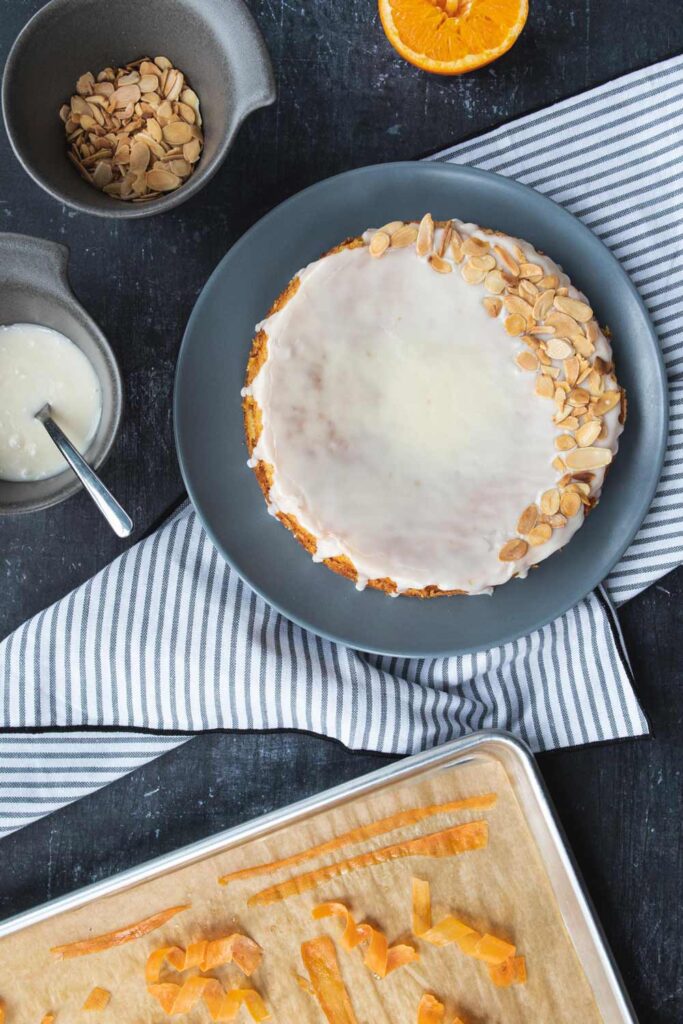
x: 208, y: 417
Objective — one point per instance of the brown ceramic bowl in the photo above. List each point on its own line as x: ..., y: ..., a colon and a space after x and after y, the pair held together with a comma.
x: 214, y: 42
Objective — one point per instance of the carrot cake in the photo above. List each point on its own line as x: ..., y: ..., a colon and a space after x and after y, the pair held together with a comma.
x: 431, y: 408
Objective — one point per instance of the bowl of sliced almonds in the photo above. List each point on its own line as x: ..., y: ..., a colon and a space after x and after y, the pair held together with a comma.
x: 123, y: 109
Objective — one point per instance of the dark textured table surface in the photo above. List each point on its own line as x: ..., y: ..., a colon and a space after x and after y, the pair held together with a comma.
x: 345, y: 99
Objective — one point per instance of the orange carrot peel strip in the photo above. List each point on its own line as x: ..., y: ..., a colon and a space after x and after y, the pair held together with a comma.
x: 380, y: 957
x: 510, y: 972
x: 363, y: 832
x: 320, y: 960
x: 222, y: 1005
x: 206, y: 955
x: 430, y: 1010
x: 118, y: 937
x: 97, y: 1000
x: 447, y: 843
x: 489, y: 948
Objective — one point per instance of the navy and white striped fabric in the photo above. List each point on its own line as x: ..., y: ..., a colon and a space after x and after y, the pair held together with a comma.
x: 167, y: 638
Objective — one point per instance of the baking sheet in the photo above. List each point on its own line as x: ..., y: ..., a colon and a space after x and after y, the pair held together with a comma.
x: 503, y: 889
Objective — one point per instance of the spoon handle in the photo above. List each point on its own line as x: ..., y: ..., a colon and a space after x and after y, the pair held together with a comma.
x: 120, y: 521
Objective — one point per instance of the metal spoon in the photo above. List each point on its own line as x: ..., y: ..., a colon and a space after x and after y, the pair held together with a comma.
x: 120, y: 522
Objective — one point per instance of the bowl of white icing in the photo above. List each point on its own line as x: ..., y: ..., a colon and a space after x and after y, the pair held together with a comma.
x: 51, y: 351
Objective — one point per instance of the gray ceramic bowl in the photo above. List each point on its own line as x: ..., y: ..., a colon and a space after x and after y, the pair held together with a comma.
x: 34, y: 288
x: 214, y: 42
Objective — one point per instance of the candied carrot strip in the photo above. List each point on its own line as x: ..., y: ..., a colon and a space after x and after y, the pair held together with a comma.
x: 493, y: 950
x: 489, y: 948
x: 222, y: 1005
x: 379, y: 957
x: 48, y: 1018
x: 422, y: 907
x: 97, y: 1000
x: 363, y: 832
x: 320, y: 960
x: 510, y: 972
x: 430, y: 1010
x: 118, y: 937
x: 446, y: 843
x: 2, y: 1012
x: 206, y: 955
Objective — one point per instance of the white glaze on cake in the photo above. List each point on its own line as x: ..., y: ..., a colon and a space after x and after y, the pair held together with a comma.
x: 400, y: 430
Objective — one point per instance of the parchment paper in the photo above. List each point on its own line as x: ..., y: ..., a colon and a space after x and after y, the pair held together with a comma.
x: 502, y: 889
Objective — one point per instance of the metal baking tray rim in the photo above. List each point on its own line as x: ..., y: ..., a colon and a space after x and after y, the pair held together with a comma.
x: 520, y: 766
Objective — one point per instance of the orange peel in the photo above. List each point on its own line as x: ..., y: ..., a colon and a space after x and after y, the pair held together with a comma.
x: 97, y: 1000
x: 320, y: 960
x: 363, y: 832
x: 447, y: 843
x: 222, y: 1004
x: 128, y: 933
x: 379, y: 956
x: 206, y: 955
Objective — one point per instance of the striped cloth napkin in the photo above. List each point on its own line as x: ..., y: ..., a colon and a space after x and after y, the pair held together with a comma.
x: 167, y: 639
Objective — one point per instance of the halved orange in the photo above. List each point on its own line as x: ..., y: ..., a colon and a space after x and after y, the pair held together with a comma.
x: 449, y: 37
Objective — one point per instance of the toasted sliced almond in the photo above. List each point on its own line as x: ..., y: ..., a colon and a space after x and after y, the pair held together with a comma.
x: 475, y: 246
x: 178, y: 133
x: 492, y: 306
x: 379, y: 243
x: 515, y: 304
x: 588, y: 433
x: 550, y: 502
x: 513, y: 550
x: 583, y: 345
x: 494, y: 282
x: 571, y: 370
x: 609, y: 400
x: 528, y: 519
x: 526, y: 360
x: 575, y: 308
x: 404, y: 236
x: 440, y: 265
x: 558, y: 464
x: 544, y: 304
x: 486, y: 262
x: 558, y: 348
x: 570, y: 503
x: 509, y: 263
x: 471, y: 274
x: 540, y: 534
x: 563, y: 324
x: 515, y: 324
x: 589, y: 458
x: 425, y: 235
x: 578, y: 397
x: 531, y: 270
x: 545, y: 387
x: 565, y: 442
x: 557, y: 521
x: 162, y: 181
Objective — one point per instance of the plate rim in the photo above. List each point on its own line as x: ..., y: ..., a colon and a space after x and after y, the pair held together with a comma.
x: 642, y: 506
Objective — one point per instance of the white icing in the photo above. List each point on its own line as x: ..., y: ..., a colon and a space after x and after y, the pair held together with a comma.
x: 400, y: 430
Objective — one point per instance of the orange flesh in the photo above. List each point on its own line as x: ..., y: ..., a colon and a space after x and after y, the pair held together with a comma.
x: 320, y: 960
x: 447, y: 843
x: 363, y: 832
x: 452, y: 36
x: 380, y: 957
x: 97, y: 1000
x: 205, y: 955
x: 117, y: 938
